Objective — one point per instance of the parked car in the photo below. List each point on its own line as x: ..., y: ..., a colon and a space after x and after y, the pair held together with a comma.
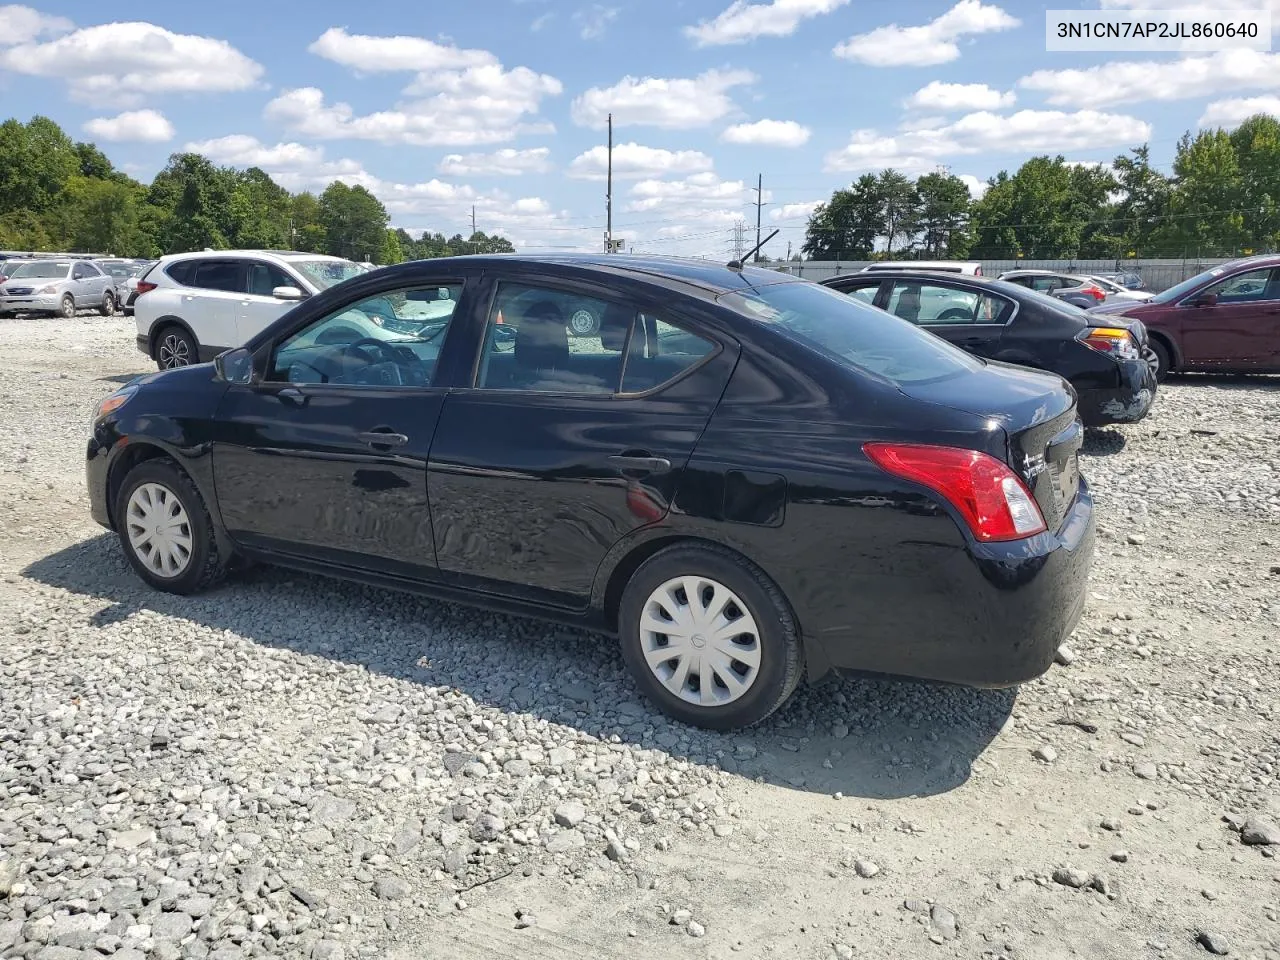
x: 1080, y: 291
x: 1225, y: 320
x: 192, y: 306
x: 58, y: 288
x: 1128, y: 279
x: 1111, y: 367
x: 969, y: 268
x: 793, y: 483
x: 1116, y: 292
x: 124, y: 274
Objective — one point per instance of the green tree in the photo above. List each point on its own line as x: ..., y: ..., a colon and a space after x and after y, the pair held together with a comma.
x: 1206, y: 203
x: 259, y: 210
x: 1257, y: 147
x: 195, y: 198
x: 391, y: 251
x: 900, y: 209
x: 307, y: 230
x: 943, y: 215
x: 847, y: 225
x: 355, y: 221
x: 1142, y: 211
x: 479, y: 242
x: 101, y: 216
x: 1047, y: 209
x: 36, y: 161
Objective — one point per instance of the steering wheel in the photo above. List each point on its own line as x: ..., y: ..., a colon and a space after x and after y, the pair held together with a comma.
x: 360, y: 347
x: 955, y: 313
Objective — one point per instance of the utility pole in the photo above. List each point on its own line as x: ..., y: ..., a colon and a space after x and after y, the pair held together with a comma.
x: 788, y: 251
x: 473, y: 219
x: 759, y: 206
x: 608, y: 195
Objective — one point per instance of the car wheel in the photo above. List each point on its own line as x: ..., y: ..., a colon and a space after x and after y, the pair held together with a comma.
x: 108, y: 304
x: 1158, y: 359
x: 709, y: 637
x: 583, y: 323
x: 67, y: 308
x: 165, y: 529
x: 175, y: 348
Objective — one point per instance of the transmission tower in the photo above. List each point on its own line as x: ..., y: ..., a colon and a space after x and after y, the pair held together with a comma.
x: 739, y: 239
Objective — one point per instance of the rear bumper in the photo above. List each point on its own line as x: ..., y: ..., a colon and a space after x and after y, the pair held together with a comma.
x: 995, y: 616
x: 1127, y: 403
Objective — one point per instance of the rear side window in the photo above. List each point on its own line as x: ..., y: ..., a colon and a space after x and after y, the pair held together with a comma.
x: 933, y: 303
x: 851, y: 333
x: 225, y: 275
x: 659, y: 352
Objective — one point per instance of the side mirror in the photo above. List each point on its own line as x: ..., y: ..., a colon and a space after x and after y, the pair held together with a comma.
x: 287, y: 293
x: 234, y: 366
x: 1205, y: 300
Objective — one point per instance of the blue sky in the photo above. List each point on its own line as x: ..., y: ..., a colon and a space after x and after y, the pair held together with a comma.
x: 500, y: 104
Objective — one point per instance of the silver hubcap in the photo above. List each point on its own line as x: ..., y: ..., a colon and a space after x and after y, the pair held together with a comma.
x: 68, y: 307
x: 700, y: 641
x: 159, y: 530
x: 174, y: 352
x: 582, y: 322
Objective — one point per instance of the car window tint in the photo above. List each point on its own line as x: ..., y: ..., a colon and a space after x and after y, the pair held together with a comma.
x: 865, y: 292
x: 1244, y: 287
x: 548, y: 340
x: 1044, y: 284
x: 659, y: 352
x: 180, y: 271
x: 265, y: 277
x: 225, y: 275
x: 80, y: 272
x: 936, y: 304
x: 392, y: 339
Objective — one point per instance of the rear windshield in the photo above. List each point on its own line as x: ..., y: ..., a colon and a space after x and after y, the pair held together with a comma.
x: 1046, y: 303
x: 851, y: 332
x: 41, y: 268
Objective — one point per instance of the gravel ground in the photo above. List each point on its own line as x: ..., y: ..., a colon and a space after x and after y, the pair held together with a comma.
x: 298, y: 767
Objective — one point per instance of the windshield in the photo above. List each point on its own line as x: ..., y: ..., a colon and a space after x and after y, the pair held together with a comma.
x: 327, y: 273
x: 40, y: 269
x: 1178, y: 291
x: 851, y: 332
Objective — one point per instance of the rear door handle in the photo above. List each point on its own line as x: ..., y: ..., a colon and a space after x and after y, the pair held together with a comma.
x: 640, y: 464
x: 383, y: 438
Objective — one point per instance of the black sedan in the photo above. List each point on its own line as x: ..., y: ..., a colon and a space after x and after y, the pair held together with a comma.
x: 1110, y: 365
x: 747, y: 478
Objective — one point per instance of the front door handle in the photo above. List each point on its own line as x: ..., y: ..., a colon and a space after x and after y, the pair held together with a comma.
x: 292, y: 394
x: 383, y: 437
x: 641, y: 464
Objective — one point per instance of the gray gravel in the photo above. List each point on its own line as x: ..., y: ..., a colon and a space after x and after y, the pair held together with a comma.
x: 297, y: 767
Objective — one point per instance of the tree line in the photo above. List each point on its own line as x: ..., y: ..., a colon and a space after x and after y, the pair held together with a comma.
x: 57, y: 194
x: 1221, y: 198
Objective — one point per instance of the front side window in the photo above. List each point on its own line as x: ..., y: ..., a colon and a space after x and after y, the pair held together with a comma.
x: 226, y: 275
x: 392, y: 339
x: 1244, y: 287
x: 936, y: 304
x: 81, y: 272
x: 265, y: 277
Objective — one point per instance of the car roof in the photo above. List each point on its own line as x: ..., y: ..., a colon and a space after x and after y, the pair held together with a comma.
x: 934, y: 276
x: 234, y: 254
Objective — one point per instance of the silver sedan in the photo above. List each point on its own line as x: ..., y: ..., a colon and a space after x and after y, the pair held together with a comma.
x: 57, y: 287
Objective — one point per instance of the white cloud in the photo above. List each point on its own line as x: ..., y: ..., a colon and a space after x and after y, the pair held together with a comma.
x: 702, y: 190
x: 123, y: 63
x: 1133, y: 81
x: 479, y: 105
x: 501, y: 163
x: 794, y: 211
x: 293, y: 165
x: 1025, y: 132
x: 635, y: 161
x: 1231, y: 113
x: 19, y: 24
x: 146, y: 126
x: 531, y: 205
x: 594, y: 20
x: 1214, y: 6
x: 955, y: 97
x: 930, y: 44
x: 742, y: 21
x: 366, y: 54
x: 768, y: 133
x: 976, y: 187
x: 676, y: 103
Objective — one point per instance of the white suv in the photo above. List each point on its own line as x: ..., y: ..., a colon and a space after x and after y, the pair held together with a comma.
x: 192, y: 306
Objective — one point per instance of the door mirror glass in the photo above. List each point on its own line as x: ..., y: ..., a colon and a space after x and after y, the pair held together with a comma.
x: 287, y: 293
x: 234, y: 366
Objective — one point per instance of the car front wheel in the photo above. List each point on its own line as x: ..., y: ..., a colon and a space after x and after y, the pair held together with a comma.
x: 1158, y: 360
x: 709, y: 637
x: 67, y: 308
x: 165, y: 529
x: 108, y: 304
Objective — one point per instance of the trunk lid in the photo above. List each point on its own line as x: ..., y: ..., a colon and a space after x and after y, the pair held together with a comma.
x: 1037, y: 412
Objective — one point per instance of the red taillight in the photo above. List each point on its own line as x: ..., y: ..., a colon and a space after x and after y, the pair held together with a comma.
x: 1096, y: 292
x: 993, y: 500
x: 1113, y: 341
x: 145, y: 287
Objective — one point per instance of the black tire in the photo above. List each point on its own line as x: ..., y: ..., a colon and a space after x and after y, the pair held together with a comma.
x: 108, y: 307
x: 206, y: 564
x: 1163, y: 360
x: 175, y: 348
x: 781, y: 656
x: 67, y: 308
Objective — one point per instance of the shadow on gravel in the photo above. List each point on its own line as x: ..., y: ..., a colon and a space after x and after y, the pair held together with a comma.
x: 119, y: 378
x: 872, y: 738
x: 1102, y: 442
x: 1225, y: 381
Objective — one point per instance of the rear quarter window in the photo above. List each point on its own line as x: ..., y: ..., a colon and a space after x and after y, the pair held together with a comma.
x: 180, y: 271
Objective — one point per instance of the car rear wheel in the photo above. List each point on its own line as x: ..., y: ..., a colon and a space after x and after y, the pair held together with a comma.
x: 709, y: 637
x: 67, y: 308
x: 108, y: 304
x: 175, y: 348
x: 1158, y: 360
x: 165, y: 529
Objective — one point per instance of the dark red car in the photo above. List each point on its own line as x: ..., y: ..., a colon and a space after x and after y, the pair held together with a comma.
x: 1225, y: 320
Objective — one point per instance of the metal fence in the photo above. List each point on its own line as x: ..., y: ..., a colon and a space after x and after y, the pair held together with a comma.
x: 1157, y: 275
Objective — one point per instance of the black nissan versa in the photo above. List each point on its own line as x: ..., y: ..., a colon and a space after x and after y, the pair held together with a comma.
x: 1110, y: 364
x: 745, y: 477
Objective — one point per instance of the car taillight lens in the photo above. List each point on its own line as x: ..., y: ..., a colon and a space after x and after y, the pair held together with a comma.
x: 993, y: 500
x: 1112, y: 341
x: 1096, y: 292
x: 145, y: 287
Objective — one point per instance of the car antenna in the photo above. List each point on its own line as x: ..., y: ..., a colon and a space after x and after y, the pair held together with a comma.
x: 737, y: 264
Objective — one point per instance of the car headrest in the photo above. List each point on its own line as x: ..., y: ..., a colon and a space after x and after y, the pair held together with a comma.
x: 614, y: 326
x: 542, y: 340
